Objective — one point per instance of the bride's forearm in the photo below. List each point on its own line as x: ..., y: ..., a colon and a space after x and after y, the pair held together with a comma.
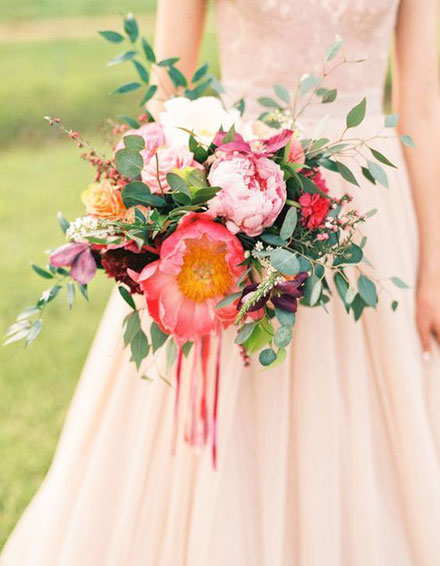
x: 178, y: 33
x: 424, y: 171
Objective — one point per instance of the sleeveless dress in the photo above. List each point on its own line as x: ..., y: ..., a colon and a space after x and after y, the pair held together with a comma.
x: 332, y: 458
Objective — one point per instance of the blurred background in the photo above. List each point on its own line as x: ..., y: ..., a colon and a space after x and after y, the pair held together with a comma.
x: 51, y: 62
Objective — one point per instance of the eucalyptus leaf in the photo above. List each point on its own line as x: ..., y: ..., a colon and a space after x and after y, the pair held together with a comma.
x: 285, y: 318
x: 139, y: 347
x: 129, y: 162
x: 112, y: 36
x: 329, y: 96
x: 200, y: 73
x: 177, y: 77
x: 284, y: 261
x: 127, y: 87
x: 148, y: 51
x: 289, y: 224
x: 356, y: 114
x: 352, y: 255
x: 312, y: 290
x: 333, y: 49
x: 268, y: 102
x: 63, y: 222
x: 399, y: 283
x: 245, y: 332
x: 136, y: 143
x: 380, y: 157
x: 122, y: 57
x: 282, y: 93
x: 282, y: 336
x: 41, y: 272
x: 158, y: 338
x: 137, y: 193
x: 131, y: 27
x: 151, y: 91
x: 391, y: 120
x: 367, y: 290
x: 126, y: 296
x: 347, y: 174
x: 407, y: 140
x: 228, y: 300
x: 377, y: 173
x: 132, y: 326
x: 267, y: 357
x: 142, y: 71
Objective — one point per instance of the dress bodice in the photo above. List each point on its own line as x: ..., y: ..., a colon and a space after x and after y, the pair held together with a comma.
x: 263, y: 42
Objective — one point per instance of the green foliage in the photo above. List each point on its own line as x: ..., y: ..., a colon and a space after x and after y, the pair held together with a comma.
x: 356, y: 114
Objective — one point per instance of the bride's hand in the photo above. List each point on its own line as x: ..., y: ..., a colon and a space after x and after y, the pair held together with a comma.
x: 428, y: 309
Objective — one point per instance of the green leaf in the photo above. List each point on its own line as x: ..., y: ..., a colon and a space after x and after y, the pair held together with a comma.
x: 329, y: 96
x: 391, y: 120
x: 84, y: 291
x: 186, y: 348
x: 267, y: 357
x: 283, y: 336
x: 128, y: 162
x: 268, y: 102
x: 306, y: 84
x: 112, y: 36
x: 312, y: 290
x: 127, y: 297
x: 148, y: 50
x: 132, y: 326
x: 142, y: 71
x: 204, y: 195
x: 228, y: 300
x: 169, y: 62
x: 137, y: 193
x: 151, y: 91
x: 131, y: 27
x: 346, y: 173
x: 333, y: 49
x: 41, y: 272
x: 177, y: 78
x: 289, y: 223
x: 285, y: 318
x: 70, y: 294
x: 378, y: 173
x: 282, y: 93
x: 371, y: 213
x: 356, y: 114
x: 259, y: 337
x: 158, y: 338
x: 200, y: 73
x: 407, y: 140
x: 15, y: 337
x: 367, y: 290
x: 139, y: 348
x: 130, y: 121
x: 122, y: 57
x: 136, y: 143
x: 34, y: 331
x: 394, y: 305
x: 380, y: 157
x: 352, y: 255
x: 177, y: 184
x: 63, y: 222
x: 127, y: 87
x: 368, y: 175
x: 284, y: 261
x: 273, y: 239
x: 171, y: 353
x: 357, y: 306
x: 245, y: 332
x: 341, y: 286
x: 399, y: 283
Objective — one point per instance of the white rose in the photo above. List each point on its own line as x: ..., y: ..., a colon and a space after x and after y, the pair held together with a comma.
x: 204, y: 117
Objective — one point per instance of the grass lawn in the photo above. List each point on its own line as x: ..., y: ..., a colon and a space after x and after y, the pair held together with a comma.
x: 36, y: 385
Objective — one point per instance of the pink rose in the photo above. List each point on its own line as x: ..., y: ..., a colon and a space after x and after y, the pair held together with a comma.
x: 153, y: 135
x: 166, y: 160
x: 253, y: 192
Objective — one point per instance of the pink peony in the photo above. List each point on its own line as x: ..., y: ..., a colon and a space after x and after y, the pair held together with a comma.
x: 253, y: 192
x: 166, y: 160
x: 153, y: 135
x: 199, y: 265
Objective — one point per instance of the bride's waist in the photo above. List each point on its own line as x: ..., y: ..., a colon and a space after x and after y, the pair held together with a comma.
x: 314, y: 111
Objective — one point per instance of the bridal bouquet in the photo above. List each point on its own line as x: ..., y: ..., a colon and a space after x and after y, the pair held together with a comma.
x: 215, y: 220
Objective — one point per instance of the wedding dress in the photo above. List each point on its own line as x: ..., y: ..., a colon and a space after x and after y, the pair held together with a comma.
x: 332, y: 458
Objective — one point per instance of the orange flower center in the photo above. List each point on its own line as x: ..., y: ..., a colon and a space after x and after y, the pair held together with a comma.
x: 205, y: 272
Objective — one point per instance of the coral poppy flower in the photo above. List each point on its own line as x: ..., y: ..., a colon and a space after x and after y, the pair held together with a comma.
x: 199, y: 265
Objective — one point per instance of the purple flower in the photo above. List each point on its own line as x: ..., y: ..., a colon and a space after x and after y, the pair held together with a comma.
x: 283, y: 296
x: 78, y: 256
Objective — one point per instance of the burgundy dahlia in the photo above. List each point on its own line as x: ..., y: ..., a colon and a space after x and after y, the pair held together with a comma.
x: 116, y: 262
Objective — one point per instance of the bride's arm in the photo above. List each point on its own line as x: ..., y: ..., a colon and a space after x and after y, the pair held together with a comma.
x: 178, y: 33
x: 416, y: 98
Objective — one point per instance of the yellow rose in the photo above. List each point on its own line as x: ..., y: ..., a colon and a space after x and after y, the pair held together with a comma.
x: 104, y: 201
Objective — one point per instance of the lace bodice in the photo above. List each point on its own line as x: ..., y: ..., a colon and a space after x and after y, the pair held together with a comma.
x: 263, y: 42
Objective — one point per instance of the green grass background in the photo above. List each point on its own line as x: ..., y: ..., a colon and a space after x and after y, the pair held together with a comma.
x: 41, y: 173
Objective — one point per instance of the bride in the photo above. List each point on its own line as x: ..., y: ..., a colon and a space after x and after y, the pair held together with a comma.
x: 332, y: 458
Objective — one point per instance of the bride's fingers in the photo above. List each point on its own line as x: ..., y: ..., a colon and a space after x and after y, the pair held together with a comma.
x: 424, y: 329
